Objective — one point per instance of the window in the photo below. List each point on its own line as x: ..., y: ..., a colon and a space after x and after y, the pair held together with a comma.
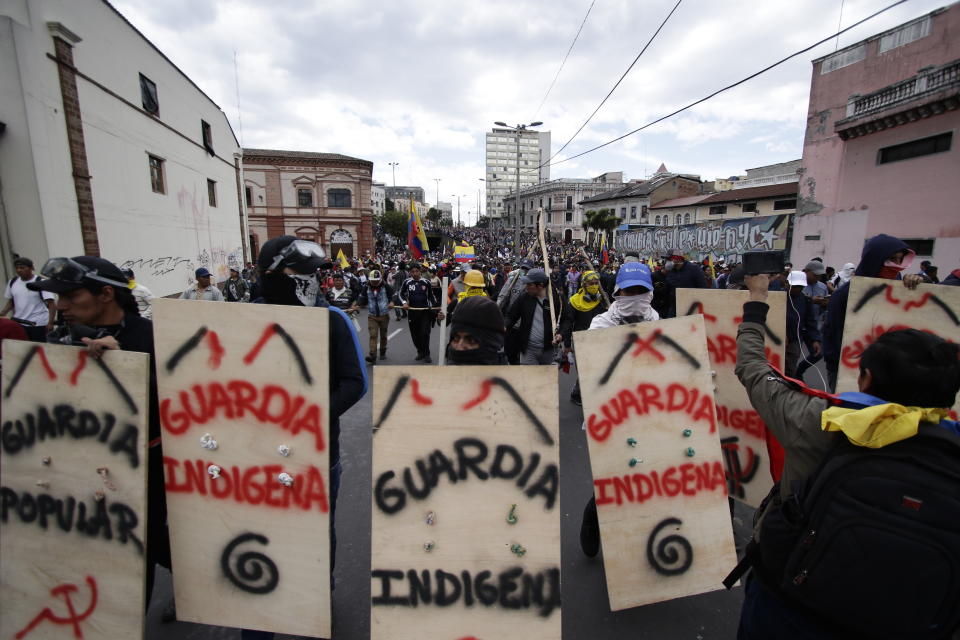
x: 686, y: 218
x: 212, y: 192
x: 248, y: 194
x: 749, y: 207
x: 569, y: 202
x: 304, y: 198
x: 338, y: 198
x: 633, y: 213
x: 207, y: 134
x: 148, y: 96
x: 780, y: 205
x: 549, y: 203
x: 656, y: 221
x: 541, y: 203
x: 916, y: 148
x: 568, y: 217
x: 549, y: 218
x: 718, y: 210
x: 643, y: 211
x: 157, y: 182
x: 813, y: 238
x: 623, y: 212
x: 678, y: 219
x: 905, y: 34
x: 843, y: 59
x: 923, y: 246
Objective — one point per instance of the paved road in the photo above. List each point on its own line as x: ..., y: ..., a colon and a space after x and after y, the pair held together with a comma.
x: 586, y: 613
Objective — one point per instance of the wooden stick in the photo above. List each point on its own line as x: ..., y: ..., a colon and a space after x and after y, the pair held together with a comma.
x: 443, y: 325
x: 541, y: 227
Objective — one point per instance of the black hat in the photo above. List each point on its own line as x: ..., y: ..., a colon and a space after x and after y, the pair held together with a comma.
x: 535, y: 276
x: 313, y: 256
x: 61, y: 275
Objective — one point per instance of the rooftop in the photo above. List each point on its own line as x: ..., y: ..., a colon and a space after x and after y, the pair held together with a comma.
x: 681, y: 202
x: 301, y: 155
x: 751, y: 193
x: 642, y: 188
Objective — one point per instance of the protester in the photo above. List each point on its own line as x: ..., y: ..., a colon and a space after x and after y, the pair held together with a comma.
x: 953, y: 279
x: 236, y: 289
x: 683, y: 275
x: 871, y: 557
x: 476, y: 333
x: 32, y: 310
x: 535, y: 339
x: 377, y: 296
x: 340, y: 295
x: 417, y: 299
x: 815, y: 290
x: 801, y: 325
x: 843, y: 276
x: 577, y: 315
x: 202, y: 290
x: 141, y: 294
x: 513, y: 288
x: 928, y: 273
x: 474, y: 285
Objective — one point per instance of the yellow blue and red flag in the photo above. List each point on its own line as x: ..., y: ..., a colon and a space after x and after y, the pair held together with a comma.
x: 604, y: 255
x: 463, y: 253
x: 416, y: 238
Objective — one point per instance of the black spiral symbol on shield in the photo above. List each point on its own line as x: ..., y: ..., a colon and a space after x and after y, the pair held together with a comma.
x: 672, y: 555
x: 251, y: 571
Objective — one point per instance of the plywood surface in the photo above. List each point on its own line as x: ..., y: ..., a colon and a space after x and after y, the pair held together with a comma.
x: 456, y: 451
x: 248, y: 551
x: 73, y: 474
x: 876, y: 306
x: 664, y: 521
x: 743, y: 436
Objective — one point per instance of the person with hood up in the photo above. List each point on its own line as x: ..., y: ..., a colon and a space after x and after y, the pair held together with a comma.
x: 632, y: 304
x: 883, y: 257
x: 843, y: 276
x: 477, y: 333
x: 584, y: 305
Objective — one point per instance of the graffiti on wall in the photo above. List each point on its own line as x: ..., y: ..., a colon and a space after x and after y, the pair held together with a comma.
x: 723, y: 239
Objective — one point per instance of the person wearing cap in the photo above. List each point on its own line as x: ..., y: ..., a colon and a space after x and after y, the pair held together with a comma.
x: 534, y: 337
x: 477, y: 333
x: 236, y: 289
x: 801, y: 325
x: 632, y: 303
x: 32, y: 310
x: 578, y: 314
x: 203, y: 289
x: 100, y: 311
x: 377, y: 297
x: 416, y: 296
x: 141, y: 294
x: 288, y: 271
x: 816, y: 290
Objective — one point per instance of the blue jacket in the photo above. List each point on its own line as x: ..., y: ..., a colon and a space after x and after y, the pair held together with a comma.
x: 875, y: 252
x: 801, y: 320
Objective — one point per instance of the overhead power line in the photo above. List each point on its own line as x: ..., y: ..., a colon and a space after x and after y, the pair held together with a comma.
x: 547, y: 94
x: 610, y: 93
x: 726, y: 88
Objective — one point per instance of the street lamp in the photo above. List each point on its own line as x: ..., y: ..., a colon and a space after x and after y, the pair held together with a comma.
x: 393, y: 167
x: 518, y: 130
x: 458, y: 208
x: 437, y: 180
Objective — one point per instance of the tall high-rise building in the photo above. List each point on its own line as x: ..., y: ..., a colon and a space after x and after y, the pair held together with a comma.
x: 501, y: 162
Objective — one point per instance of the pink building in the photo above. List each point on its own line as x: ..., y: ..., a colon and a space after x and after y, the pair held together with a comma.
x: 880, y: 152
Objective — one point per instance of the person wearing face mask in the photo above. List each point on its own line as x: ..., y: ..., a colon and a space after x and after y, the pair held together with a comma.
x: 883, y: 257
x: 474, y: 283
x: 288, y: 268
x: 843, y: 276
x: 632, y: 304
x: 477, y: 333
x: 583, y: 306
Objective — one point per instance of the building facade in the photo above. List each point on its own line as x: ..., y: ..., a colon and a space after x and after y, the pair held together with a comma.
x: 779, y: 173
x: 446, y: 212
x: 502, y: 161
x: 378, y: 195
x: 880, y: 151
x: 405, y: 193
x: 751, y: 202
x: 109, y: 149
x: 560, y: 200
x: 324, y: 197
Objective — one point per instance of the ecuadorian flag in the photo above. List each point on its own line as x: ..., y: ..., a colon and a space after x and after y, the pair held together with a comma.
x: 464, y: 253
x: 416, y: 238
x: 604, y: 255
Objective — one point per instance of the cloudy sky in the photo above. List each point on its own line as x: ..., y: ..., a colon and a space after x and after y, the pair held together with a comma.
x: 419, y: 82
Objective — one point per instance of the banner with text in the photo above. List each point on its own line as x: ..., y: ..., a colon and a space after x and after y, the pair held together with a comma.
x: 244, y: 413
x: 73, y: 497
x: 728, y: 239
x: 466, y: 503
x: 658, y: 474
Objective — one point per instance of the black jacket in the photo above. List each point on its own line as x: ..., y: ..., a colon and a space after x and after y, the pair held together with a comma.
x: 523, y: 309
x: 689, y: 276
x: 801, y: 320
x: 573, y: 320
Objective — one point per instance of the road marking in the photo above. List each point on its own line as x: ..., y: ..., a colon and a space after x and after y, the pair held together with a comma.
x: 390, y: 337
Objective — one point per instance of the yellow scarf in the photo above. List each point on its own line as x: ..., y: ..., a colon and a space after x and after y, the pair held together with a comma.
x: 470, y: 292
x: 877, y: 426
x: 577, y: 300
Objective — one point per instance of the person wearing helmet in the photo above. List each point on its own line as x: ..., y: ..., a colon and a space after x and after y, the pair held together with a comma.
x: 476, y: 332
x: 377, y: 296
x: 475, y: 285
x: 577, y: 315
x: 534, y: 340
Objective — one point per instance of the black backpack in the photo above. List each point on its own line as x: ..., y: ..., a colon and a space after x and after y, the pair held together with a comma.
x: 871, y: 544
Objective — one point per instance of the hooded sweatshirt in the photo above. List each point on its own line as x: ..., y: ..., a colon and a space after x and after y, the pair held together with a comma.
x: 875, y: 253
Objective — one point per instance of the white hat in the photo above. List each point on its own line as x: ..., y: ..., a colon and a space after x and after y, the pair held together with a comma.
x: 798, y: 278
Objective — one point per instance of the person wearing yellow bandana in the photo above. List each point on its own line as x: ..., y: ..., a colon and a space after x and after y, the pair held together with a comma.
x: 861, y: 537
x: 474, y: 285
x: 585, y: 304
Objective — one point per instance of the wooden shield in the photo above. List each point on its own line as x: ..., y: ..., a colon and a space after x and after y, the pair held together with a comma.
x: 657, y: 465
x: 466, y: 522
x: 73, y: 471
x: 743, y: 435
x: 876, y: 306
x: 245, y: 421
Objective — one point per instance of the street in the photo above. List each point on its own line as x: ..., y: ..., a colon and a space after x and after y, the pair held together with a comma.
x: 586, y: 613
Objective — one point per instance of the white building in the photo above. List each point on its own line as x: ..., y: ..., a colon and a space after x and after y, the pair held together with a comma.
x: 446, y: 211
x: 109, y: 149
x: 378, y: 196
x: 501, y: 162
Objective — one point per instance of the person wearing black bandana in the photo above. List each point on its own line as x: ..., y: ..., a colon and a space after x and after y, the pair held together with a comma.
x: 477, y: 333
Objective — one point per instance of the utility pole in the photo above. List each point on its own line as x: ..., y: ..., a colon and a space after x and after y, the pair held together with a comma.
x: 393, y: 167
x: 437, y: 180
x: 517, y: 130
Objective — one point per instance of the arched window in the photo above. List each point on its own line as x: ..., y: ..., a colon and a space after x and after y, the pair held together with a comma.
x: 338, y: 198
x: 656, y: 221
x: 678, y: 218
x: 686, y: 218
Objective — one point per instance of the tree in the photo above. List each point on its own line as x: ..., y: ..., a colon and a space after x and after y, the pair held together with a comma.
x: 394, y: 223
x: 388, y: 205
x: 602, y: 220
x: 483, y: 222
x: 433, y: 215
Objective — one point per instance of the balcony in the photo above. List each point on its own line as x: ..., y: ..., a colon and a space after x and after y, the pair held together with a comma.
x: 932, y: 91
